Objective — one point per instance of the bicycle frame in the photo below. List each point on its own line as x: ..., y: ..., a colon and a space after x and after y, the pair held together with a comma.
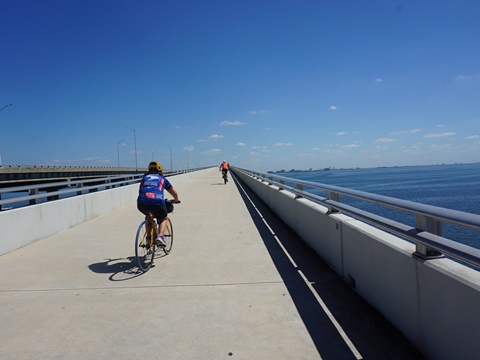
x: 144, y: 247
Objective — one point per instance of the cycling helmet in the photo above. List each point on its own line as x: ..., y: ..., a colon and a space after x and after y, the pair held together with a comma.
x: 155, y: 166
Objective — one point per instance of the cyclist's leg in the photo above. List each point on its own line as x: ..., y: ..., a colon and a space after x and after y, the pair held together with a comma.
x: 161, y: 216
x: 163, y: 225
x: 148, y: 226
x: 145, y: 209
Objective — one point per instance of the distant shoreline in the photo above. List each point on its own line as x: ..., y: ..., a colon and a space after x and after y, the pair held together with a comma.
x: 369, y: 168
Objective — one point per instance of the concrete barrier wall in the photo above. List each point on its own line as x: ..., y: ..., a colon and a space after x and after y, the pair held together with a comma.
x: 433, y: 303
x: 22, y: 226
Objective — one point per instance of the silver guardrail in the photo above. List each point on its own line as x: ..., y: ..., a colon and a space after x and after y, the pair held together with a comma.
x: 426, y: 234
x: 48, y: 191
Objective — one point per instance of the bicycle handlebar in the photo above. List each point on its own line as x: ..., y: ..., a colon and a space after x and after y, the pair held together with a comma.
x: 173, y: 201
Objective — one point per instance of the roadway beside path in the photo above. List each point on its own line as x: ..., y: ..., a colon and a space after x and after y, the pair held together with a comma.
x: 237, y: 284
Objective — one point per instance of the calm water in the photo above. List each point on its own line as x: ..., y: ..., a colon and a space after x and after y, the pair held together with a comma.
x: 449, y: 186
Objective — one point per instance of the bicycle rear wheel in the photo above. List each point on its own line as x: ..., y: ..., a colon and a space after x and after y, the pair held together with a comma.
x: 168, y: 236
x: 144, y: 253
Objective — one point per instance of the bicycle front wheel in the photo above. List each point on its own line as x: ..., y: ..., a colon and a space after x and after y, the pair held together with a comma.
x: 144, y: 251
x: 168, y: 236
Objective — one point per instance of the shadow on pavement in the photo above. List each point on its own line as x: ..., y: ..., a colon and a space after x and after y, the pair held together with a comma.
x: 121, y: 269
x: 371, y: 334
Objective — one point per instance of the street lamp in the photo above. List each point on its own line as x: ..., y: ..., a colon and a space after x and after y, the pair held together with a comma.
x: 135, y: 142
x: 1, y: 109
x: 118, y: 151
x: 4, y: 107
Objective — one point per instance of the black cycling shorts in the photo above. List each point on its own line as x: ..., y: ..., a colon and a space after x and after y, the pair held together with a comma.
x: 158, y: 211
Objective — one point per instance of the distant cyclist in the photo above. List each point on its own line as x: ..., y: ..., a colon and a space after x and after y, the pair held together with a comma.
x: 151, y: 197
x: 224, y: 167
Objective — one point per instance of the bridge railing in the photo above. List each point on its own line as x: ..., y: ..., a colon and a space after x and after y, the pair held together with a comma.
x: 48, y: 191
x: 429, y: 220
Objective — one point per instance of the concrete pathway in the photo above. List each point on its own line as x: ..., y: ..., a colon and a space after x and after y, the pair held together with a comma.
x: 237, y: 285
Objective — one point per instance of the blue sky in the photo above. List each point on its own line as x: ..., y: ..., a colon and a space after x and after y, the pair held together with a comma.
x: 265, y: 85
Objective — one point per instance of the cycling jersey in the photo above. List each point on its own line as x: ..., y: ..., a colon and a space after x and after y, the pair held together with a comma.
x: 151, y: 189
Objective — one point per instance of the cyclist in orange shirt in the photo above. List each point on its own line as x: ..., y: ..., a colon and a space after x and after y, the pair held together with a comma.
x: 224, y: 168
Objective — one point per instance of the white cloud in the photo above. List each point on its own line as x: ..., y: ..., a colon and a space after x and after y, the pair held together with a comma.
x: 188, y: 148
x: 212, y: 152
x: 472, y: 137
x: 413, y: 131
x: 234, y: 123
x: 334, y: 152
x: 441, y: 147
x: 316, y: 149
x: 385, y: 140
x: 440, y: 135
x: 351, y: 146
x: 57, y: 161
x: 216, y: 137
x: 255, y: 112
x: 241, y: 144
x: 341, y: 133
x: 378, y: 80
x: 283, y: 144
x: 97, y: 159
x: 334, y: 107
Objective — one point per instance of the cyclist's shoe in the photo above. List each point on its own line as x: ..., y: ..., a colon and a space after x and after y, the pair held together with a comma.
x: 160, y: 241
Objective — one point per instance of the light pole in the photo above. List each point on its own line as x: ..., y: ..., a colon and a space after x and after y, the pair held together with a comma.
x: 4, y: 107
x: 118, y: 151
x: 135, y: 142
x: 1, y: 109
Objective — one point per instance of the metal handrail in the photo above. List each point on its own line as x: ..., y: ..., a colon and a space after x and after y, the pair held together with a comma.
x: 427, y: 233
x: 81, y: 186
x: 24, y: 188
x: 34, y: 195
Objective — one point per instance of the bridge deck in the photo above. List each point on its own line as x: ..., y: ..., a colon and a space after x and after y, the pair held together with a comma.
x: 238, y: 284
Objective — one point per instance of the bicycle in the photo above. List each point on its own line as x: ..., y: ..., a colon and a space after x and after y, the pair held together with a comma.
x: 225, y: 176
x: 145, y: 245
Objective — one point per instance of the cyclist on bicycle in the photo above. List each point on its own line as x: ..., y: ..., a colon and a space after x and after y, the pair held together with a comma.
x: 224, y: 168
x: 151, y: 197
